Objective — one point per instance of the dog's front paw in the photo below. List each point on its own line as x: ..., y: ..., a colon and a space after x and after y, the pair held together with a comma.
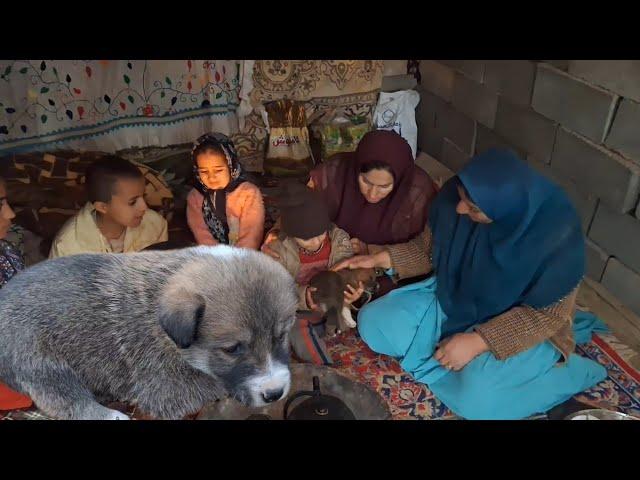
x: 348, y: 319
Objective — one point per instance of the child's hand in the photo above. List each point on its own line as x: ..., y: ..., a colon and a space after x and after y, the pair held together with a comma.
x: 359, y: 247
x: 271, y: 236
x: 353, y: 294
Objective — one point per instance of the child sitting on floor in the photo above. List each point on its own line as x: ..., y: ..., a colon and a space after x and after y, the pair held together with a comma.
x: 223, y: 207
x: 309, y: 243
x: 116, y: 218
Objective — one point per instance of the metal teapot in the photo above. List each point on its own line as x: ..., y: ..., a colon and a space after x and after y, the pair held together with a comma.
x: 318, y: 406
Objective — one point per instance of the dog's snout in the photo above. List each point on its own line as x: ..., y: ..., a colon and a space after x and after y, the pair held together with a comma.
x: 270, y: 396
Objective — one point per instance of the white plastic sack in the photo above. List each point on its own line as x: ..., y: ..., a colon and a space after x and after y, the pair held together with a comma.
x: 397, y: 111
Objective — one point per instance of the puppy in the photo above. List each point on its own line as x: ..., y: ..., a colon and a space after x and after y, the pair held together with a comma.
x: 167, y: 331
x: 329, y: 295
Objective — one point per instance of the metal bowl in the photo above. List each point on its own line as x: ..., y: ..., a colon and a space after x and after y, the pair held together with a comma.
x: 599, y: 414
x: 363, y: 401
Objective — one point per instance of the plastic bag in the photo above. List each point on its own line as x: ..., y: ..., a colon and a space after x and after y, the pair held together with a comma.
x: 397, y: 111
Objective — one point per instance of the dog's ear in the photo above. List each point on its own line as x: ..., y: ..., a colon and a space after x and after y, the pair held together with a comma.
x: 180, y: 315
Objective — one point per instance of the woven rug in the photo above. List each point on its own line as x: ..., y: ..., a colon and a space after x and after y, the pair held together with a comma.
x: 409, y: 400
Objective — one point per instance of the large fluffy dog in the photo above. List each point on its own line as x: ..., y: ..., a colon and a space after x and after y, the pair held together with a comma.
x: 167, y: 331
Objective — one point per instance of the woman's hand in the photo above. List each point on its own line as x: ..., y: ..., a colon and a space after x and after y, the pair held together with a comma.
x: 456, y: 351
x: 271, y: 236
x: 353, y: 294
x: 377, y: 260
x: 359, y: 247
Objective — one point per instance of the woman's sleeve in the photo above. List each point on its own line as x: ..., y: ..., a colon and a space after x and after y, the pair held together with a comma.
x: 412, y: 258
x: 523, y: 327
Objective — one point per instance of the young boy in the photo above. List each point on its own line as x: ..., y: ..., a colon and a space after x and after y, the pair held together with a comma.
x: 116, y: 218
x: 309, y: 243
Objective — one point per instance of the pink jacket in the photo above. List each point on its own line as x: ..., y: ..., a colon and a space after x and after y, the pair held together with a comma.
x: 245, y: 217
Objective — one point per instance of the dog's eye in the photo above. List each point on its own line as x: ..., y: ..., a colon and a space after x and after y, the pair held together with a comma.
x: 281, y: 336
x: 236, y: 349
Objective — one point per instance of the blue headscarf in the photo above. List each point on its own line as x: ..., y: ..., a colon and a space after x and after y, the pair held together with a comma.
x: 531, y: 254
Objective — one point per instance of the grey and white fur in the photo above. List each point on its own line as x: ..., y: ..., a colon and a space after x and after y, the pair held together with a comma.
x: 167, y: 331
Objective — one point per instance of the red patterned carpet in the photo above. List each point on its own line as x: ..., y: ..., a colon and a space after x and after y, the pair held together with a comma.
x: 409, y: 400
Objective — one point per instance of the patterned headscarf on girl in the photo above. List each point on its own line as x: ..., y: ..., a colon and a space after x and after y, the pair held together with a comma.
x: 214, y: 207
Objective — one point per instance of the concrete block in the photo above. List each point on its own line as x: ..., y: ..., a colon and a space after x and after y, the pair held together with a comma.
x: 612, y: 178
x: 395, y: 83
x: 471, y: 68
x: 487, y: 139
x: 429, y: 136
x: 525, y: 129
x: 625, y: 131
x: 438, y: 172
x: 512, y: 79
x: 437, y: 78
x: 619, y: 76
x: 474, y: 100
x: 560, y: 64
x: 584, y: 202
x: 623, y: 283
x: 618, y: 234
x: 596, y: 260
x: 452, y: 156
x: 573, y: 103
x: 437, y: 119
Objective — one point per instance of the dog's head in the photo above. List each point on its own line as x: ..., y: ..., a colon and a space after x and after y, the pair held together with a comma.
x: 229, y: 312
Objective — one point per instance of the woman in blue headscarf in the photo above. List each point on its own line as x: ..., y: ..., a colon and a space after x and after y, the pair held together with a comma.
x: 491, y: 332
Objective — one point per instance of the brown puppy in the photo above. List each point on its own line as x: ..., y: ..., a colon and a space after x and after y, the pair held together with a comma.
x: 329, y: 295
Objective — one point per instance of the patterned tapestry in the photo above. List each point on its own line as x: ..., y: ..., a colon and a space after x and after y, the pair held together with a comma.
x: 349, y: 87
x: 74, y: 103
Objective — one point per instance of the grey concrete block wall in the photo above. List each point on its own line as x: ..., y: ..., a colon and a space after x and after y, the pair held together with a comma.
x: 474, y: 100
x: 615, y: 233
x: 573, y: 103
x: 452, y: 156
x: 596, y: 260
x: 559, y: 64
x: 525, y: 129
x: 512, y: 79
x: 619, y: 76
x: 613, y: 179
x: 487, y: 139
x: 471, y: 68
x: 575, y: 121
x: 623, y: 282
x: 429, y: 138
x: 437, y: 78
x: 585, y: 202
x: 439, y: 119
x: 625, y: 131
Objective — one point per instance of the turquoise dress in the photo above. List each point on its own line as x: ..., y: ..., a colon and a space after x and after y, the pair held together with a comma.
x: 407, y: 324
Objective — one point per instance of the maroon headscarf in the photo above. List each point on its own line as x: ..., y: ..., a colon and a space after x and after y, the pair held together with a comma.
x: 371, y: 222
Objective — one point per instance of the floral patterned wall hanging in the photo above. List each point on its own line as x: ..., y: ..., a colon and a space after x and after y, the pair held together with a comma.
x: 67, y: 103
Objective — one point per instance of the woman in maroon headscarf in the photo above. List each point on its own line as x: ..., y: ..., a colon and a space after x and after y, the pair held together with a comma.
x: 376, y: 194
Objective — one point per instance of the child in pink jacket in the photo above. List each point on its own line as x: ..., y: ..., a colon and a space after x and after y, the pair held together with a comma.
x: 223, y: 207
